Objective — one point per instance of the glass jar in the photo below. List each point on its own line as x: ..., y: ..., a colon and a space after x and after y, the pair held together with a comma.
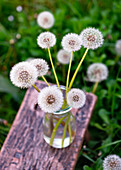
x: 59, y: 128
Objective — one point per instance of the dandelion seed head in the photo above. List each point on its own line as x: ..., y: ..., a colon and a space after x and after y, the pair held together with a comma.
x: 46, y: 40
x: 118, y: 47
x: 63, y: 56
x: 18, y: 36
x: 45, y: 20
x: 29, y: 59
x: 112, y: 162
x: 41, y: 65
x: 91, y: 38
x: 10, y: 18
x: 76, y: 98
x: 97, y: 72
x: 50, y: 99
x: 71, y: 42
x: 12, y: 41
x: 23, y: 74
x: 19, y: 8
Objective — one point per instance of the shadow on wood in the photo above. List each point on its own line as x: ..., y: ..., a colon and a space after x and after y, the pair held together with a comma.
x: 25, y: 148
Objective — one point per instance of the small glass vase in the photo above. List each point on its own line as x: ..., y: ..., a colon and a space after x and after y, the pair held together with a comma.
x: 59, y: 128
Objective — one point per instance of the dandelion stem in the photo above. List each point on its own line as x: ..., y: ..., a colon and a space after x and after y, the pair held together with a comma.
x: 36, y: 88
x: 70, y: 132
x: 45, y: 80
x: 65, y: 129
x: 95, y: 87
x: 51, y: 124
x: 63, y: 124
x: 64, y: 103
x: 77, y: 69
x: 67, y: 81
x: 53, y: 69
x: 55, y: 129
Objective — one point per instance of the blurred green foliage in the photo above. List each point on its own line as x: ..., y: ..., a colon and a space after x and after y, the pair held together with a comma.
x: 70, y: 16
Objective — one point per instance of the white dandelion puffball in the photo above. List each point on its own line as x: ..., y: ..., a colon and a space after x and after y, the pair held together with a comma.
x: 45, y: 20
x: 50, y: 99
x: 71, y: 42
x: 91, y: 38
x: 118, y: 47
x: 97, y: 72
x: 112, y: 162
x: 46, y: 40
x: 18, y: 36
x: 19, y: 8
x: 29, y: 59
x: 76, y: 98
x: 23, y: 74
x: 10, y: 18
x: 63, y: 56
x: 41, y: 65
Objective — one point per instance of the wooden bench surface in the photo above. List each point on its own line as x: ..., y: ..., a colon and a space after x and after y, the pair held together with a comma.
x: 25, y: 148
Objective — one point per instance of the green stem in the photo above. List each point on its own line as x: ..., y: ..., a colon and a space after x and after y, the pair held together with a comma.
x: 69, y: 68
x: 51, y: 125
x: 69, y: 127
x: 53, y: 68
x: 36, y: 88
x: 63, y: 124
x: 45, y: 80
x: 64, y: 103
x: 77, y: 69
x: 65, y: 129
x: 55, y: 129
x: 67, y: 82
x: 95, y: 87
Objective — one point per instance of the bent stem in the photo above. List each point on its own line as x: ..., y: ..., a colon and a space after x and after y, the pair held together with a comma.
x: 45, y: 80
x: 65, y: 129
x: 36, y: 88
x: 77, y: 69
x: 55, y: 129
x: 95, y: 87
x: 53, y: 69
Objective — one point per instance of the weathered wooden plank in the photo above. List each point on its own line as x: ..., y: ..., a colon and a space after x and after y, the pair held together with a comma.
x: 25, y: 148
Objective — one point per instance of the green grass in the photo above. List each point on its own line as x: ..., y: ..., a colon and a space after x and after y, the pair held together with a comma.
x: 70, y: 16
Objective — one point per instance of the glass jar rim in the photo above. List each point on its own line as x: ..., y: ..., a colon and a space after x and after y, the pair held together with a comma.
x: 63, y: 111
x: 62, y: 87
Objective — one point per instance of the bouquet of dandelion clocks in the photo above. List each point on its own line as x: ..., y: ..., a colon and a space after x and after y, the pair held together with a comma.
x: 59, y: 125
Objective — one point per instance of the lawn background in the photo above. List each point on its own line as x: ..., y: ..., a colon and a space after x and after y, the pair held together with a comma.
x: 70, y: 16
